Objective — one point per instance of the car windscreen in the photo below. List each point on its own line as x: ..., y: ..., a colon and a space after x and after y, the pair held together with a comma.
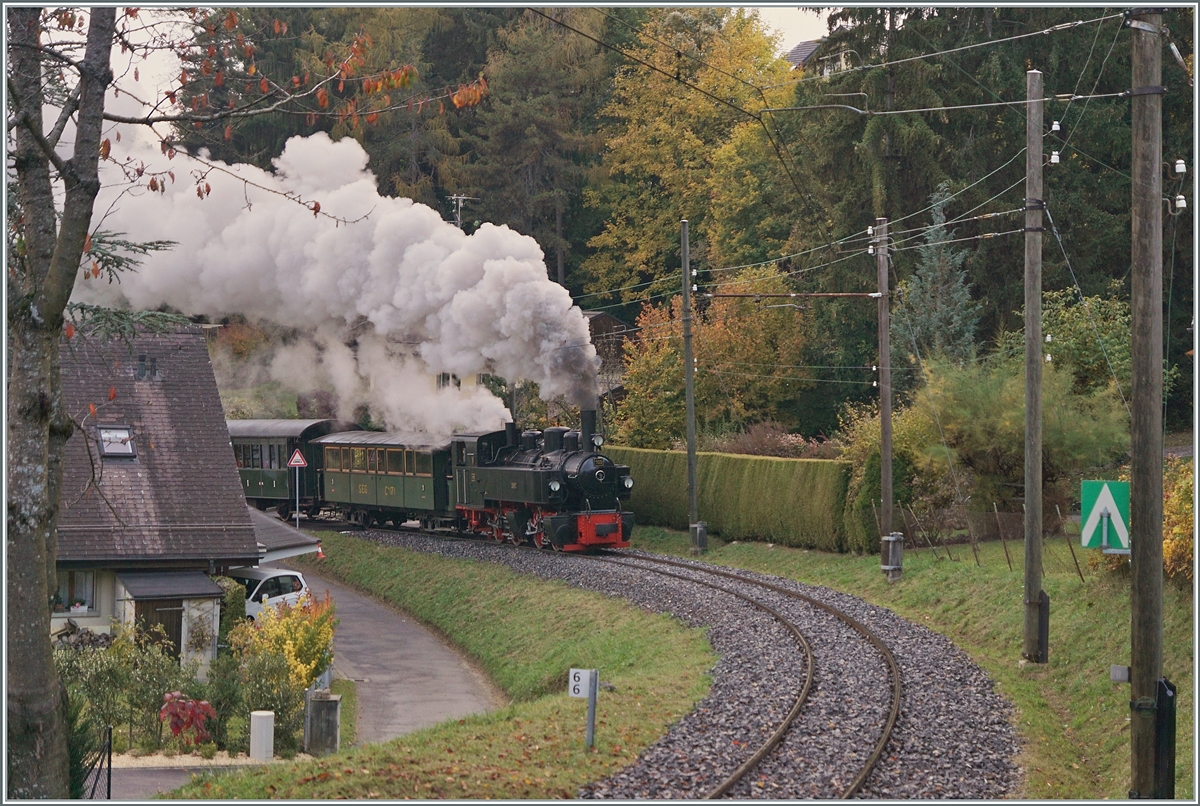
x: 248, y: 584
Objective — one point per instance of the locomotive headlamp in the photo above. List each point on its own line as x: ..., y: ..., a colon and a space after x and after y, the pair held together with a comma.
x: 628, y: 482
x: 598, y: 440
x: 555, y: 486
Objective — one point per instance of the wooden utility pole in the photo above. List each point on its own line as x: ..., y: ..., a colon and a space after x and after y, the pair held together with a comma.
x: 689, y: 385
x: 1145, y: 500
x: 1033, y: 650
x: 885, y: 401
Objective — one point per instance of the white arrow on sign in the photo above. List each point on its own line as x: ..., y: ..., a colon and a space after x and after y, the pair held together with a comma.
x: 1105, y: 503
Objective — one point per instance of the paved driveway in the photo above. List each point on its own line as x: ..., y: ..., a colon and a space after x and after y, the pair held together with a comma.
x: 407, y: 678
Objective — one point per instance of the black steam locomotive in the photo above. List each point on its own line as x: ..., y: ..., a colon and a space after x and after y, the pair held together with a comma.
x: 549, y: 489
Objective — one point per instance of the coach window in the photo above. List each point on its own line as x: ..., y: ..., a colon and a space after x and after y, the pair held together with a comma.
x: 256, y: 456
x: 395, y: 461
x: 424, y: 464
x: 372, y: 460
x: 237, y: 454
x: 333, y: 461
x: 272, y: 462
x: 358, y: 458
x: 410, y: 462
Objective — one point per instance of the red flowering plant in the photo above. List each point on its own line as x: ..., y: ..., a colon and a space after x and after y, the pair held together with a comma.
x: 186, y: 714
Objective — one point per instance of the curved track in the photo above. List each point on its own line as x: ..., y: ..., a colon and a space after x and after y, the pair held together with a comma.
x: 781, y: 731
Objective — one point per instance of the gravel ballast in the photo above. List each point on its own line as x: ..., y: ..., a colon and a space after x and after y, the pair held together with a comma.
x: 952, y: 739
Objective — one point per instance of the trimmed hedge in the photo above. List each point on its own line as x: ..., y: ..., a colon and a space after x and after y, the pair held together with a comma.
x: 793, y: 502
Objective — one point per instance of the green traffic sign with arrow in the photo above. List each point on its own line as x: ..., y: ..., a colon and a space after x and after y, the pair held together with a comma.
x: 1105, y: 516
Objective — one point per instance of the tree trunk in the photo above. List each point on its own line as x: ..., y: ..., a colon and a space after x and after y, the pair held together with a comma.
x: 41, y: 278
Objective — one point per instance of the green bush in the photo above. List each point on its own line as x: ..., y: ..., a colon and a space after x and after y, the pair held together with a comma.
x: 267, y: 685
x: 233, y: 608
x: 84, y: 740
x: 795, y: 502
x: 224, y: 692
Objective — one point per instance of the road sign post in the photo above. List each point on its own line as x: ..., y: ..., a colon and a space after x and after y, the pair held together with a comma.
x: 584, y: 683
x: 297, y: 461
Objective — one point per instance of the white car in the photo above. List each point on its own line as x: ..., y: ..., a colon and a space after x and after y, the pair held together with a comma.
x: 269, y: 586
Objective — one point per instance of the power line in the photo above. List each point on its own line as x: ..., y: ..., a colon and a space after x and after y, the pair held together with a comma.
x: 1053, y: 29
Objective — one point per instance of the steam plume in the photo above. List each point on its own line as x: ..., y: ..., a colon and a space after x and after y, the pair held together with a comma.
x: 402, y: 285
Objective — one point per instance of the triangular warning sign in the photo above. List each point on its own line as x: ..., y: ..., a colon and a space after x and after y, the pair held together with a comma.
x: 297, y: 460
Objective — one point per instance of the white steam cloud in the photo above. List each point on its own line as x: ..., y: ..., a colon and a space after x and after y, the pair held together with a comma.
x: 413, y: 293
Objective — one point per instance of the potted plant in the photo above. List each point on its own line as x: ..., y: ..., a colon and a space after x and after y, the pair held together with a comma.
x: 78, y: 606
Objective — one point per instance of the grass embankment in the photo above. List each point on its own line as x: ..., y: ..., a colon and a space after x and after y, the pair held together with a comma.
x: 526, y: 634
x: 1074, y: 721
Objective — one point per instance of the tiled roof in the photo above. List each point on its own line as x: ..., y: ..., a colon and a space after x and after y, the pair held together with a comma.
x: 179, y: 499
x: 800, y: 55
x: 169, y: 585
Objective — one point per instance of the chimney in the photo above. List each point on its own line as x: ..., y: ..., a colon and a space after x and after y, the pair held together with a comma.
x: 511, y: 435
x: 587, y: 429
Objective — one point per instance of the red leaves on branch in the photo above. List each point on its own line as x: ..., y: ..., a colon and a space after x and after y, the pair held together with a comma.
x: 280, y: 27
x: 316, y: 208
x: 92, y: 409
x: 228, y: 132
x: 231, y: 21
x: 87, y: 243
x: 323, y: 98
x: 219, y: 80
x: 112, y: 393
x: 153, y: 183
x: 264, y: 86
x: 69, y: 330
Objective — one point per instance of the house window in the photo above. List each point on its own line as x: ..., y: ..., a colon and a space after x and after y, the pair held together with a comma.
x: 116, y: 440
x: 76, y: 591
x: 446, y: 379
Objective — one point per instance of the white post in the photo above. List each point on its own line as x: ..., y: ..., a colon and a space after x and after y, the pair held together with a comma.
x: 262, y: 735
x: 297, y: 499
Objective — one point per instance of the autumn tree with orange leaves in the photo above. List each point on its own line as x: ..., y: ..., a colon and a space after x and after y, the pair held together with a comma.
x: 62, y: 65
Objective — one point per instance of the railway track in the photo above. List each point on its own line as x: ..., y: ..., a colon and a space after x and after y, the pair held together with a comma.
x: 780, y: 602
x: 834, y: 714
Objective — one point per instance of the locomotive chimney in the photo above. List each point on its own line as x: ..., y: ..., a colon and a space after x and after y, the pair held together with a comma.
x: 511, y: 435
x: 587, y: 428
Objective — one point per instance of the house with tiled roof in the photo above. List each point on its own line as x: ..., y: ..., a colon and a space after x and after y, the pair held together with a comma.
x: 151, y: 500
x: 802, y: 54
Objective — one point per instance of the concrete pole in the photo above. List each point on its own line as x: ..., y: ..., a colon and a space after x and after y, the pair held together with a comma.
x: 1145, y: 503
x: 885, y: 397
x: 689, y: 384
x: 1033, y: 367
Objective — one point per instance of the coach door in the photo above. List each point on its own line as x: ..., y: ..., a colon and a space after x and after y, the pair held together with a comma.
x: 165, y: 612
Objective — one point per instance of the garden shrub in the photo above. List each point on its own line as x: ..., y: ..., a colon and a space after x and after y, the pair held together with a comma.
x: 224, y: 691
x: 300, y: 633
x: 233, y: 608
x: 84, y: 740
x: 268, y: 685
x: 1178, y: 525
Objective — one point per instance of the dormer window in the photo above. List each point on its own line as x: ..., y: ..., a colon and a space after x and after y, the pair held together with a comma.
x: 116, y: 440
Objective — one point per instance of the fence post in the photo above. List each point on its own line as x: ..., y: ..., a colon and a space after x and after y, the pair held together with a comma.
x: 262, y: 735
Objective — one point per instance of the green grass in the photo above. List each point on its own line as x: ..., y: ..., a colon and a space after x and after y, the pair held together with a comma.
x: 348, y: 716
x: 1073, y: 720
x: 526, y: 634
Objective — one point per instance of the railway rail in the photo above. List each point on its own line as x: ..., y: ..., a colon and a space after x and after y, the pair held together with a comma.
x: 817, y: 694
x: 893, y: 669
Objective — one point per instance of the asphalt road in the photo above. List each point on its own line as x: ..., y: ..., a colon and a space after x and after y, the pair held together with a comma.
x: 407, y: 679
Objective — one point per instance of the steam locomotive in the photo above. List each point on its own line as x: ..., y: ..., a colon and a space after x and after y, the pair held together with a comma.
x: 550, y: 489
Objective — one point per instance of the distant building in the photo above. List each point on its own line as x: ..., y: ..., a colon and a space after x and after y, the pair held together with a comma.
x: 608, y: 337
x: 802, y: 55
x: 151, y: 500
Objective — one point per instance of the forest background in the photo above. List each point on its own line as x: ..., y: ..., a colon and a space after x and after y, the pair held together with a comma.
x: 602, y: 128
